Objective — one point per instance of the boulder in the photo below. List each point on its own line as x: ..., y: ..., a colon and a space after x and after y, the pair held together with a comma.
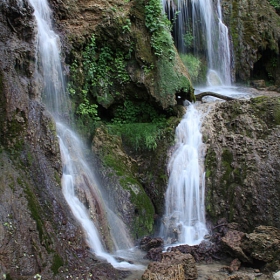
x: 153, y: 247
x: 174, y: 265
x: 258, y: 83
x: 148, y: 243
x: 263, y: 245
x: 232, y: 244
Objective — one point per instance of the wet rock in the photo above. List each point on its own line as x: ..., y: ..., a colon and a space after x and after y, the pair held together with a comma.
x: 232, y: 243
x: 240, y: 277
x: 263, y: 245
x: 255, y: 32
x: 234, y: 266
x: 155, y: 254
x: 258, y: 83
x: 148, y: 243
x: 205, y: 251
x: 174, y: 265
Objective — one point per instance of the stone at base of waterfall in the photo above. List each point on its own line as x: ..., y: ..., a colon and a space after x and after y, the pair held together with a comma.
x: 232, y: 244
x: 155, y: 254
x: 148, y: 243
x: 262, y: 245
x: 174, y: 265
x: 258, y: 83
x: 276, y: 276
x: 234, y: 266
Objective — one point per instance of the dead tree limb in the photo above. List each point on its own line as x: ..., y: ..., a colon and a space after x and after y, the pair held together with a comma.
x: 209, y: 93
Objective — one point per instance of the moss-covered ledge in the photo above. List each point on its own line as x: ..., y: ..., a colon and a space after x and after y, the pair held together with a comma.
x: 124, y: 192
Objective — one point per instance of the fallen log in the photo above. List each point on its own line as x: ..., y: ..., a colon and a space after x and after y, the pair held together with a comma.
x: 209, y: 93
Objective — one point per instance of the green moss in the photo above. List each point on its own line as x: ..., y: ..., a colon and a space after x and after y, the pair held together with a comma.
x: 2, y: 110
x: 210, y: 162
x: 169, y: 81
x: 118, y: 166
x: 57, y: 178
x: 29, y: 158
x: 34, y: 208
x: 267, y: 110
x: 276, y: 112
x: 57, y: 263
x: 144, y: 210
x: 227, y: 158
x: 210, y: 167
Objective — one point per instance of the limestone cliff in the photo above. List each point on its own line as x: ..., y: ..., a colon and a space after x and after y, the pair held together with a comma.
x: 122, y: 65
x: 38, y: 233
x: 255, y: 33
x: 154, y: 74
x: 39, y: 236
x: 242, y: 162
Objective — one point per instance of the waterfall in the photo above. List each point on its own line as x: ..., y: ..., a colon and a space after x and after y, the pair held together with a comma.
x: 184, y: 220
x: 79, y: 183
x: 203, y: 25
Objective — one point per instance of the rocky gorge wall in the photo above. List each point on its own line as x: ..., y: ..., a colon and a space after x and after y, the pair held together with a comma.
x: 255, y: 33
x: 39, y: 236
x: 242, y: 162
x: 113, y: 37
x: 38, y: 233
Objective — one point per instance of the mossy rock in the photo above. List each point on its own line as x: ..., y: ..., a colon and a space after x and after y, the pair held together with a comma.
x: 242, y: 162
x: 124, y: 192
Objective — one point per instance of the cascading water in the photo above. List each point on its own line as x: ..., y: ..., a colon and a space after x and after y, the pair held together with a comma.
x: 201, y: 23
x: 184, y: 220
x: 78, y: 181
x: 197, y: 28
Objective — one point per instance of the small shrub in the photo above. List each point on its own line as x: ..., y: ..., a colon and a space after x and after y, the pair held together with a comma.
x: 194, y: 66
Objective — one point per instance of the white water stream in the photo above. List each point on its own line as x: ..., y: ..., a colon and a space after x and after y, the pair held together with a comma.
x: 203, y: 23
x: 78, y: 180
x: 184, y: 220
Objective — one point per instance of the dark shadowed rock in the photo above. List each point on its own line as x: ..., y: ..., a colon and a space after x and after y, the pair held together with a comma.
x: 148, y: 243
x: 205, y: 251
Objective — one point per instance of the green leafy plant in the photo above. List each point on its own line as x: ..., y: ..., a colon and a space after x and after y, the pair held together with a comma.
x: 188, y: 39
x: 126, y: 27
x: 275, y: 3
x: 194, y: 66
x: 131, y: 112
x: 139, y: 124
x: 160, y: 27
x: 93, y: 79
x: 140, y: 136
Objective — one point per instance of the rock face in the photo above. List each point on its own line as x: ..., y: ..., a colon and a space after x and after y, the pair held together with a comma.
x: 255, y: 32
x: 260, y: 247
x: 39, y: 236
x: 242, y: 162
x: 124, y: 192
x: 174, y: 265
x: 120, y: 27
